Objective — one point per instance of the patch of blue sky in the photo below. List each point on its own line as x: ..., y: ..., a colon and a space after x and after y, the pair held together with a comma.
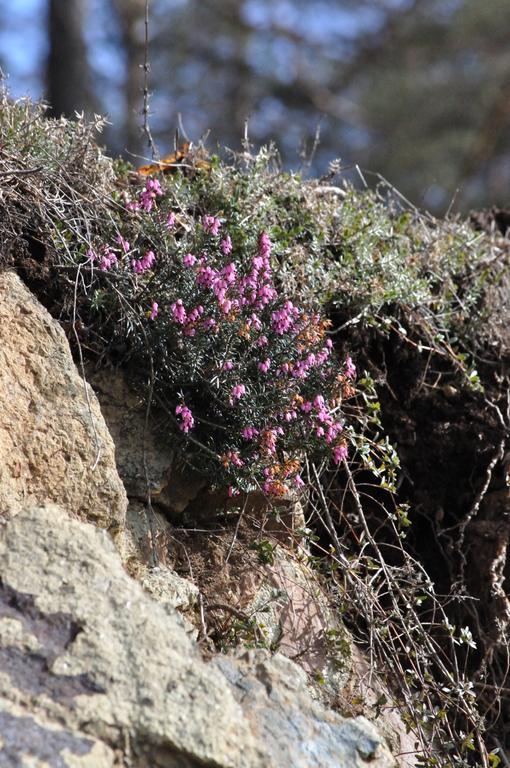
x: 317, y: 22
x: 23, y: 45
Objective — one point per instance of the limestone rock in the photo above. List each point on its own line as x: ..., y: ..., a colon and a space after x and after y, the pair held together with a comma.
x: 296, y: 730
x: 165, y: 586
x: 54, y: 444
x: 94, y: 669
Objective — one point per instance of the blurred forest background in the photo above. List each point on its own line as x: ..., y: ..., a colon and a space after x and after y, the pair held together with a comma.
x: 415, y: 90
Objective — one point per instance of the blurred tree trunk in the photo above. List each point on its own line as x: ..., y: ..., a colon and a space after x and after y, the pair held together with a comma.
x: 239, y: 90
x: 68, y: 87
x: 131, y: 14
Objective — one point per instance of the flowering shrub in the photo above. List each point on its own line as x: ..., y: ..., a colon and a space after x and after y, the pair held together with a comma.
x: 251, y: 379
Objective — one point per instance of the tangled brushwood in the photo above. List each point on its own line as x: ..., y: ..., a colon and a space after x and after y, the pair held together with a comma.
x: 292, y: 333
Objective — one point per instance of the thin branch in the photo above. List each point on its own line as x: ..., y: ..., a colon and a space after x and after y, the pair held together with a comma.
x: 146, y: 95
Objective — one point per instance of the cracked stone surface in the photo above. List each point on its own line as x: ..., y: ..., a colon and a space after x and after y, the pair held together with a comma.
x: 94, y: 671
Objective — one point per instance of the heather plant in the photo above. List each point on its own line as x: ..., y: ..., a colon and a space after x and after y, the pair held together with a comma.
x: 251, y: 379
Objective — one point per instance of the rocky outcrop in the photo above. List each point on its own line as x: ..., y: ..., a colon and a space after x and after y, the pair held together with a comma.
x: 54, y: 444
x: 100, y: 670
x: 94, y: 672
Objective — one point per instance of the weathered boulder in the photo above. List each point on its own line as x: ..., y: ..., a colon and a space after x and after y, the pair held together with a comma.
x: 94, y: 672
x: 54, y: 444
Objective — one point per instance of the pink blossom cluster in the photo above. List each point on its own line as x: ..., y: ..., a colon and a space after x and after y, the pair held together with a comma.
x: 189, y: 260
x: 124, y: 245
x: 147, y: 197
x: 232, y: 457
x: 139, y: 266
x: 106, y: 258
x: 232, y: 291
x: 238, y: 391
x: 226, y: 245
x: 350, y: 368
x: 184, y: 318
x: 284, y: 319
x: 211, y: 225
x: 325, y: 424
x: 340, y: 452
x: 179, y: 314
x: 187, y: 421
x: 247, y: 301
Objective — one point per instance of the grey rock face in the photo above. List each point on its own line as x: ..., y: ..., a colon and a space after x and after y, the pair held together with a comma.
x: 93, y: 671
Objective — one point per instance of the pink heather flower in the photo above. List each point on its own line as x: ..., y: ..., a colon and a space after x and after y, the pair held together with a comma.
x: 298, y: 481
x: 234, y: 459
x: 265, y: 295
x: 319, y: 431
x: 107, y: 261
x: 230, y: 273
x: 123, y: 243
x: 340, y: 452
x: 154, y: 310
x: 319, y: 402
x: 262, y: 341
x: 209, y: 323
x: 178, y: 312
x: 226, y: 245
x: 139, y: 266
x: 153, y: 185
x: 148, y: 259
x: 91, y: 255
x: 146, y: 201
x: 170, y: 221
x: 350, y: 368
x: 333, y: 431
x: 329, y: 343
x: 232, y: 491
x: 211, y: 225
x: 226, y: 306
x: 186, y: 417
x: 284, y: 318
x: 306, y: 407
x: 249, y: 433
x: 206, y: 276
x: 133, y: 206
x: 227, y: 365
x: 264, y: 365
x: 264, y: 245
x: 237, y: 392
x: 189, y: 260
x: 255, y: 322
x: 149, y: 194
x: 195, y: 314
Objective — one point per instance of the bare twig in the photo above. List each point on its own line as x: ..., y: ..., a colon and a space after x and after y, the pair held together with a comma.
x: 146, y: 94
